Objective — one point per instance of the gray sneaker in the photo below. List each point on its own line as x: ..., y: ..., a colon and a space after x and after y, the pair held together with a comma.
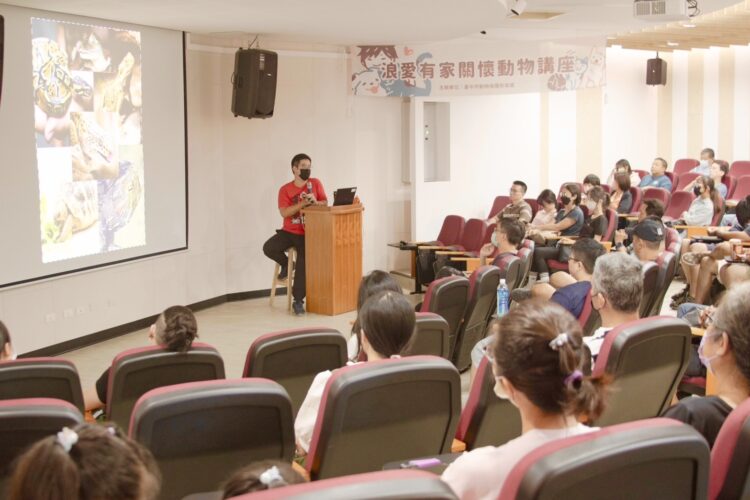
x: 298, y: 307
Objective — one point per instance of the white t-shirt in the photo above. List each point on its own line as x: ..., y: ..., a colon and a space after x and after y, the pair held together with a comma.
x: 595, y: 341
x: 481, y: 473
x: 304, y: 424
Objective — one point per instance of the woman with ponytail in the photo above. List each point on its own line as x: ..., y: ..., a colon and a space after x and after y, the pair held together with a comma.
x: 538, y: 359
x: 174, y: 330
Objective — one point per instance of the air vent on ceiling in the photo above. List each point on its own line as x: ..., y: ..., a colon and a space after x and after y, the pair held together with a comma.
x: 660, y: 10
x: 537, y: 16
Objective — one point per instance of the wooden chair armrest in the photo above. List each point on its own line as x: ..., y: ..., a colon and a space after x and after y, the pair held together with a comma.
x: 458, y: 446
x: 301, y: 471
x: 433, y: 247
x: 465, y: 259
x: 450, y: 252
x: 697, y: 332
x: 693, y: 230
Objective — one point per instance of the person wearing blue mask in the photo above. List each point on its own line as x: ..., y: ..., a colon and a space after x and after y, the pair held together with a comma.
x: 725, y: 352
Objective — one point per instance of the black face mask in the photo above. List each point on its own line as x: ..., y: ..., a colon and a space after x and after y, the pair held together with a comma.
x: 304, y: 173
x: 697, y: 190
x: 564, y: 200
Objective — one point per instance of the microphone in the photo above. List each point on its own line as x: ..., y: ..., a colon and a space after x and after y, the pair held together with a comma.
x: 309, y: 187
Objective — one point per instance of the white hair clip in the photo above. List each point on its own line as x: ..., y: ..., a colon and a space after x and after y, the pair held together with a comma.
x: 559, y: 341
x: 272, y: 478
x: 112, y: 431
x: 67, y: 438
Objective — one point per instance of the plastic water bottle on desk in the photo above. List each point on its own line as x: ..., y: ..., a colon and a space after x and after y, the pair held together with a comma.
x: 503, y: 297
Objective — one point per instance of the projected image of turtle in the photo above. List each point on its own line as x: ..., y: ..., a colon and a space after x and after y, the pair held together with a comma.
x: 93, y: 145
x: 118, y: 200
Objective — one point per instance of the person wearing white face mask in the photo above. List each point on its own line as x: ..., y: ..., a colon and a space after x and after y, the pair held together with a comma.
x: 7, y: 353
x: 707, y: 158
x: 725, y: 352
x: 506, y: 238
x: 538, y: 358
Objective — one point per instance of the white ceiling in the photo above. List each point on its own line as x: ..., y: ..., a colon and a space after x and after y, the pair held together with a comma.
x: 352, y: 22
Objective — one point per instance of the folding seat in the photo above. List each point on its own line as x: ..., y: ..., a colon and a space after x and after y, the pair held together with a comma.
x: 136, y: 371
x: 718, y: 216
x: 526, y: 255
x: 642, y: 173
x: 41, y: 378
x: 731, y: 184
x: 487, y: 420
x: 667, y: 264
x: 673, y: 241
x: 647, y: 359
x: 742, y: 190
x: 511, y: 269
x: 382, y: 485
x: 482, y: 299
x: 292, y: 358
x: 431, y: 336
x: 651, y: 459
x: 383, y: 411
x: 448, y: 297
x: 739, y: 168
x: 451, y: 231
x: 685, y: 165
x: 474, y: 236
x: 200, y: 432
x: 533, y: 204
x: 650, y: 287
x: 611, y: 225
x: 678, y: 203
x: 498, y: 204
x: 606, y: 187
x: 637, y: 195
x: 654, y: 193
x: 684, y: 180
x: 26, y: 421
x: 589, y: 320
x: 671, y: 176
x: 730, y: 457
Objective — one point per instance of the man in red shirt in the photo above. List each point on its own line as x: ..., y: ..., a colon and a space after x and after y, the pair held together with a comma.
x: 302, y: 192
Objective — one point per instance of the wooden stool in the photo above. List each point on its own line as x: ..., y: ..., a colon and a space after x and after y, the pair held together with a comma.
x: 291, y: 263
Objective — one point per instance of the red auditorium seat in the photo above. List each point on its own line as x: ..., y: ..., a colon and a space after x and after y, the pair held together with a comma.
x: 512, y: 267
x: 667, y: 264
x: 607, y: 188
x: 447, y: 297
x: 742, y: 190
x: 383, y: 485
x: 589, y: 320
x: 201, y: 431
x: 486, y: 419
x: 41, y: 378
x: 431, y: 336
x: 533, y: 204
x: 739, y: 168
x: 452, y: 231
x: 611, y: 225
x: 497, y: 205
x: 671, y: 176
x: 418, y: 406
x: 526, y: 254
x: 481, y: 301
x: 685, y: 165
x: 474, y: 236
x: 678, y: 203
x: 650, y: 459
x: 136, y: 371
x: 647, y: 359
x: 292, y: 358
x: 718, y: 216
x: 642, y: 173
x: 731, y: 184
x: 730, y: 457
x: 650, y: 287
x: 637, y: 195
x: 660, y: 194
x: 684, y: 180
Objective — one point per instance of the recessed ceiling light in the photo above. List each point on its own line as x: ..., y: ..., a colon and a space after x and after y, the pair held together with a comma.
x: 673, y: 44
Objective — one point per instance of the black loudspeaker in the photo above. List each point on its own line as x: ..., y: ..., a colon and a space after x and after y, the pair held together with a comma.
x: 656, y: 72
x: 254, y: 83
x: 2, y: 52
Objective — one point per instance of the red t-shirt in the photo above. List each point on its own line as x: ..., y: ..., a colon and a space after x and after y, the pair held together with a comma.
x: 289, y: 195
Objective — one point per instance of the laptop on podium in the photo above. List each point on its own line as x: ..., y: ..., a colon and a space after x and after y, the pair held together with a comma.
x: 344, y: 196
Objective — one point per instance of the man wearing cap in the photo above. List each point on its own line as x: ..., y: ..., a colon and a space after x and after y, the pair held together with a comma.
x: 648, y: 236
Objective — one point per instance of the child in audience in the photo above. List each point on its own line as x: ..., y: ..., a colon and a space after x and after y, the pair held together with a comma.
x: 7, y: 353
x: 387, y: 320
x: 725, y: 351
x: 259, y: 476
x: 372, y: 284
x: 174, y: 330
x: 86, y: 462
x: 537, y: 359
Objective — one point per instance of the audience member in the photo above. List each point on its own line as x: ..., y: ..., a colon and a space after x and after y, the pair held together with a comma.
x: 506, y: 239
x: 547, y: 209
x: 657, y: 178
x: 537, y: 359
x: 621, y: 200
x: 387, y: 320
x: 616, y: 290
x: 517, y: 208
x: 7, y: 353
x: 174, y: 330
x: 259, y: 476
x: 372, y: 284
x: 725, y: 351
x: 623, y: 167
x: 590, y: 181
x: 717, y: 171
x: 706, y: 204
x: 595, y: 225
x: 569, y: 221
x: 651, y: 208
x: 86, y: 462
x: 648, y: 238
x: 707, y: 158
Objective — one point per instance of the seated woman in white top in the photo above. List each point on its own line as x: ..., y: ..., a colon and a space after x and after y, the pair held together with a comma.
x: 706, y: 204
x: 387, y: 324
x: 537, y: 359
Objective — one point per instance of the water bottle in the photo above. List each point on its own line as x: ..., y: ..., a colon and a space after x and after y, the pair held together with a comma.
x: 503, y: 296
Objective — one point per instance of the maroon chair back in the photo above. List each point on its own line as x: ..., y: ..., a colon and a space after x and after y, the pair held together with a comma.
x: 475, y: 233
x: 382, y: 485
x: 650, y: 287
x: 742, y: 190
x: 655, y: 458
x: 739, y: 168
x: 448, y: 297
x: 383, y: 411
x: 134, y: 372
x: 716, y: 220
x: 667, y: 264
x: 654, y: 193
x: 488, y: 234
x: 730, y: 457
x: 511, y: 269
x: 292, y: 358
x: 452, y: 230
x: 498, y: 204
x: 431, y: 337
x: 678, y: 203
x: 26, y: 421
x: 199, y: 431
x: 607, y: 188
x: 589, y: 318
x: 526, y: 255
x: 486, y: 419
x: 482, y: 297
x: 41, y: 378
x: 637, y: 195
x: 642, y: 173
x: 647, y: 359
x: 685, y: 165
x: 611, y: 225
x: 731, y: 184
x: 533, y: 204
x: 671, y: 176
x: 684, y: 180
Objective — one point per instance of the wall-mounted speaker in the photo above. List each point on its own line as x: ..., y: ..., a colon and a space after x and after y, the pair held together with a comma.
x: 254, y: 83
x: 656, y: 72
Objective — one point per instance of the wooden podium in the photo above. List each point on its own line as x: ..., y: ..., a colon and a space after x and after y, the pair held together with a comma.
x: 333, y: 258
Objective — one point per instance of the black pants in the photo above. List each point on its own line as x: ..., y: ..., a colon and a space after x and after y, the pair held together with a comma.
x: 274, y: 249
x: 541, y: 254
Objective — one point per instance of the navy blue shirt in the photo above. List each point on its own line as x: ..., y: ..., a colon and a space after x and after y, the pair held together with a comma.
x: 572, y: 297
x: 577, y: 215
